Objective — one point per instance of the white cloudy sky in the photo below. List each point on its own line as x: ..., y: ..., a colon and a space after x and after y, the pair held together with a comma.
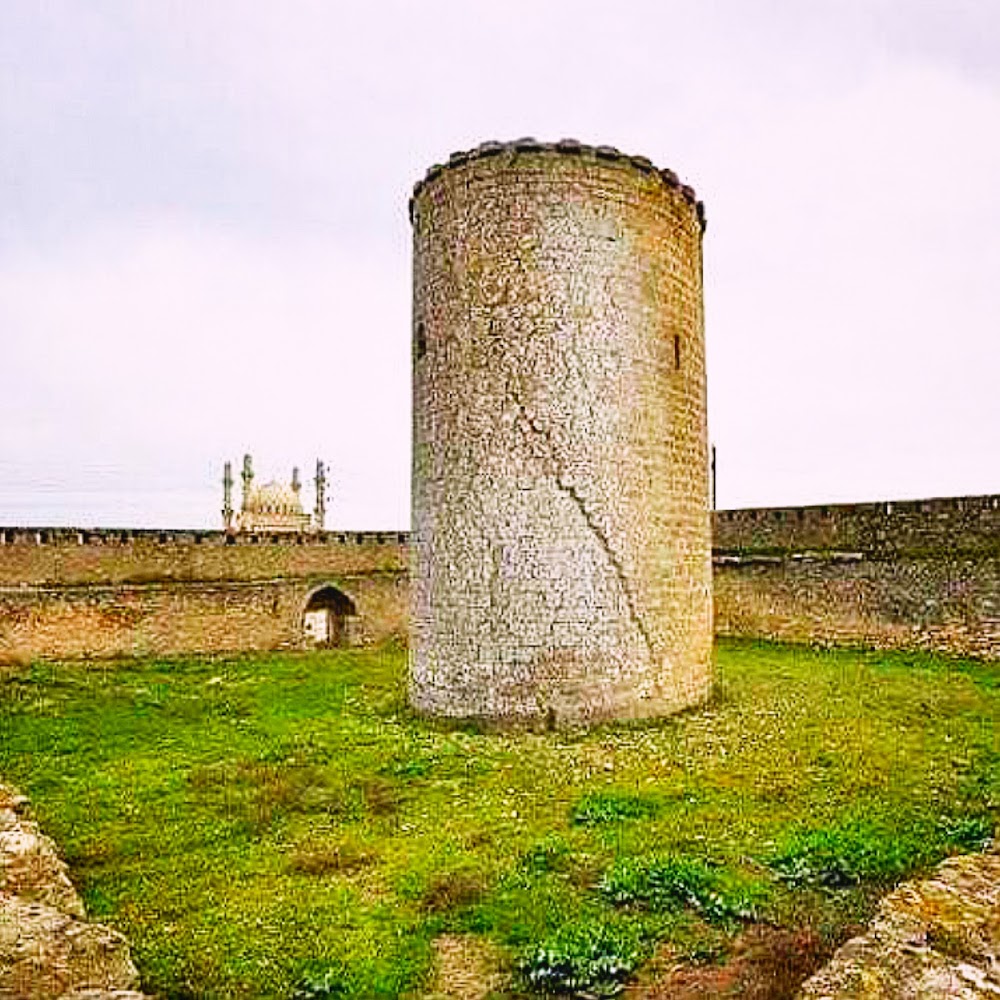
x: 204, y: 245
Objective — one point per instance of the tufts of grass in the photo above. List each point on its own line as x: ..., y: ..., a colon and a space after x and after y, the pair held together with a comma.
x: 613, y: 807
x: 451, y: 890
x: 672, y: 883
x: 256, y: 793
x: 380, y: 796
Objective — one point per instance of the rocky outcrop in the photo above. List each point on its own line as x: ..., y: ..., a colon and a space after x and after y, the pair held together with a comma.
x: 48, y: 949
x: 932, y: 939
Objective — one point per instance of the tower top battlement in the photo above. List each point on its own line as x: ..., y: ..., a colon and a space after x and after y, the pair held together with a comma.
x: 568, y: 148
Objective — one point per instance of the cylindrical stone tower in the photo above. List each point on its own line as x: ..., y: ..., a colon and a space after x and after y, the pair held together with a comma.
x: 561, y: 536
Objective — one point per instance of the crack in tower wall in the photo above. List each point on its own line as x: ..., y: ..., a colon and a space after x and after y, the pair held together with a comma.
x: 536, y: 428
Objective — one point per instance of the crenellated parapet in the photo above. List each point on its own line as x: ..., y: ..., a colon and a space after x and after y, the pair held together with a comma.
x: 572, y: 148
x: 181, y: 536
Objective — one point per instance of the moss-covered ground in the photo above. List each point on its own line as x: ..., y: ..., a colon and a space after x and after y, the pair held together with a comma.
x: 280, y: 825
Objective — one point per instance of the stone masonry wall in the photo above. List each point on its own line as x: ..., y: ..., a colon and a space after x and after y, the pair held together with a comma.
x: 951, y: 605
x: 955, y: 525
x: 918, y: 574
x: 560, y: 490
x: 74, y: 593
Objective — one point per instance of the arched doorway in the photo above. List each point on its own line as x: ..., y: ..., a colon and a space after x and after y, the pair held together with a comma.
x: 327, y: 618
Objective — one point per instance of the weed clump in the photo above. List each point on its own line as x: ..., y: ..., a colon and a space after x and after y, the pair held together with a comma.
x: 322, y: 982
x: 583, y: 960
x: 613, y: 807
x: 550, y: 854
x: 871, y: 850
x: 966, y: 833
x: 674, y: 883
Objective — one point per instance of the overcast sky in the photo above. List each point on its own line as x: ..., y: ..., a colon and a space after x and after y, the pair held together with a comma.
x: 204, y: 243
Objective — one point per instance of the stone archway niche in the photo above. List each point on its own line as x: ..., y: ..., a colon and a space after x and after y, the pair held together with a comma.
x: 328, y: 618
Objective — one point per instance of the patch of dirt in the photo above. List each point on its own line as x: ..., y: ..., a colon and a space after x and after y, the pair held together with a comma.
x: 466, y: 968
x: 766, y: 963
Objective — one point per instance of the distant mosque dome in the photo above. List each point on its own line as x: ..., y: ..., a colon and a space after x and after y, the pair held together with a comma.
x: 274, y: 498
x: 272, y: 506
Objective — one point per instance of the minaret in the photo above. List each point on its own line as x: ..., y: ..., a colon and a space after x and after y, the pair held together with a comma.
x: 227, y: 497
x: 247, y: 479
x: 319, y: 517
x: 296, y: 482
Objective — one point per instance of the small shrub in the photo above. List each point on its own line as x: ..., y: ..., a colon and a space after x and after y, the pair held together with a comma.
x: 590, y: 960
x: 613, y: 807
x: 673, y: 883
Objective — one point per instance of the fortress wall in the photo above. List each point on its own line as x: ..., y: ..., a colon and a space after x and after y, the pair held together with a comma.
x: 106, y: 592
x: 69, y: 555
x: 913, y: 574
x: 898, y: 527
x: 104, y: 620
x: 946, y: 603
x: 918, y: 574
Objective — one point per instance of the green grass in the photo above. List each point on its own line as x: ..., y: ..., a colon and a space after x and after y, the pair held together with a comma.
x: 279, y: 825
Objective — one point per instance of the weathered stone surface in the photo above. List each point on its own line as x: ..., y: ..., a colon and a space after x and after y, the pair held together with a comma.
x: 936, y: 938
x: 46, y: 953
x: 47, y: 948
x: 561, y: 529
x: 94, y: 593
x: 30, y: 866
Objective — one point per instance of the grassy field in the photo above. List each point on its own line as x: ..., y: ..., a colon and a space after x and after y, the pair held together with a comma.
x: 279, y: 825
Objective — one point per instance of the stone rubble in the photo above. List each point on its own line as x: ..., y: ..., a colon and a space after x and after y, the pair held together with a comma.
x: 48, y: 948
x: 935, y: 939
